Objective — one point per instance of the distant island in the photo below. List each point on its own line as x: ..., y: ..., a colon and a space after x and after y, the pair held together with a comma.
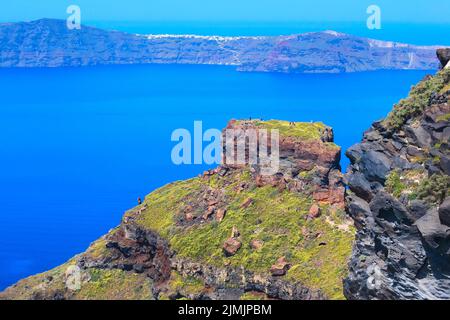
x: 49, y: 43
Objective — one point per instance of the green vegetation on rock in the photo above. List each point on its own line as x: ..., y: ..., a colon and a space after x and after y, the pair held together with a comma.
x: 417, y: 100
x: 185, y: 287
x: 416, y: 184
x: 433, y: 189
x: 394, y: 185
x: 317, y: 248
x: 98, y: 284
x: 444, y: 117
x: 304, y: 130
x: 253, y: 296
x: 114, y: 284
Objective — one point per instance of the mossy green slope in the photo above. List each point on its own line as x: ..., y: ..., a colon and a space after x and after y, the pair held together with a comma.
x: 317, y: 248
x: 95, y: 284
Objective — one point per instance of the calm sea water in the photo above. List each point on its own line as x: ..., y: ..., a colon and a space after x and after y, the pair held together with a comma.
x: 79, y: 146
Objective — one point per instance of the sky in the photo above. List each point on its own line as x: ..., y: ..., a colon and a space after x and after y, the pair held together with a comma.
x: 410, y: 11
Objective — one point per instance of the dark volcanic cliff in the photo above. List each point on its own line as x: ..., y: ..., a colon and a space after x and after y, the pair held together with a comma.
x: 399, y: 198
x: 49, y: 43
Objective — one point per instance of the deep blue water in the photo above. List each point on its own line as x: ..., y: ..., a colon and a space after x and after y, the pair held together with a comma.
x: 78, y: 146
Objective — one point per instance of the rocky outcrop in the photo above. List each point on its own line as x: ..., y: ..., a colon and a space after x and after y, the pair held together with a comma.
x: 49, y: 43
x: 307, y: 164
x: 399, y: 197
x: 226, y: 234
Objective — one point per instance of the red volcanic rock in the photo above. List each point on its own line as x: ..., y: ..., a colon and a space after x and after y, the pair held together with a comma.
x: 332, y: 195
x: 208, y: 213
x: 280, y: 267
x: 314, y: 211
x: 277, y: 181
x: 256, y: 244
x: 232, y: 244
x: 318, y: 158
x: 220, y: 214
x: 189, y: 216
x: 247, y: 203
x: 212, y: 202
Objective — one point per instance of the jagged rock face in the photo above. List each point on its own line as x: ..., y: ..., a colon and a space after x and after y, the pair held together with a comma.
x: 49, y: 43
x: 399, y: 199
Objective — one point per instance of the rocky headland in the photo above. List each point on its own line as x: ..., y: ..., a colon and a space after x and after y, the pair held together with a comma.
x: 230, y: 233
x: 49, y: 43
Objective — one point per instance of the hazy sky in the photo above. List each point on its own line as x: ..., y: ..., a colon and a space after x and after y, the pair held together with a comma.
x: 412, y: 11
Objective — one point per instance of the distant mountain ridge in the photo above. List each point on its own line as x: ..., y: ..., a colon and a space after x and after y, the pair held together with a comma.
x: 49, y: 43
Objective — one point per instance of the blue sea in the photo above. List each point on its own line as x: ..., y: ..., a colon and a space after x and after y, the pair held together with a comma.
x: 78, y: 146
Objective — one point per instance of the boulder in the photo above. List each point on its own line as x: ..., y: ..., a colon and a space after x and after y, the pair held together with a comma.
x: 314, y: 211
x: 418, y: 208
x: 354, y: 153
x: 375, y: 165
x: 359, y: 185
x: 256, y: 244
x: 386, y: 208
x: 231, y: 246
x: 401, y: 163
x: 444, y: 163
x: 431, y: 229
x: 414, y: 151
x: 220, y: 214
x: 208, y: 213
x: 233, y: 243
x: 419, y: 135
x: 189, y: 216
x: 280, y: 267
x: 444, y: 212
x: 359, y: 210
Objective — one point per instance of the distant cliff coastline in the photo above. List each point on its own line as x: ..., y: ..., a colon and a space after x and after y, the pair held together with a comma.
x: 49, y: 43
